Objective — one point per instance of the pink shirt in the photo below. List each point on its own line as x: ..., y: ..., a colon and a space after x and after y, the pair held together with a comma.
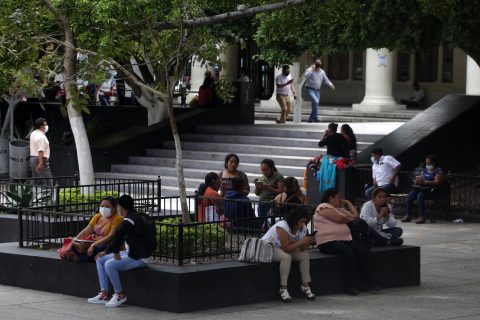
x: 329, y: 230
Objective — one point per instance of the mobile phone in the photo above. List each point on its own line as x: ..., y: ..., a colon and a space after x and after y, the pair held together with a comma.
x: 313, y: 233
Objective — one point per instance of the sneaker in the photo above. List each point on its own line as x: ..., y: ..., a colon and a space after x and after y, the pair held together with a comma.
x: 99, y: 299
x: 307, y: 292
x: 406, y: 219
x: 420, y: 220
x: 284, y: 296
x: 115, y: 301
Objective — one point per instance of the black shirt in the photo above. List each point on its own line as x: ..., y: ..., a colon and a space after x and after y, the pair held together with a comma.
x: 336, y: 144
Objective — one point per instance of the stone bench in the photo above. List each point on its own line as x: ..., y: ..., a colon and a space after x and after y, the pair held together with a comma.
x: 203, y: 286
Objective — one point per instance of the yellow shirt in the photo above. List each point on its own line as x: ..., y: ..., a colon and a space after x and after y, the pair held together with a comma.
x: 103, y: 228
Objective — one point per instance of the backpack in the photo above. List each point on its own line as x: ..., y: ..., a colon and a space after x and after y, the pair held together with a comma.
x: 256, y: 250
x: 361, y: 233
x: 150, y: 239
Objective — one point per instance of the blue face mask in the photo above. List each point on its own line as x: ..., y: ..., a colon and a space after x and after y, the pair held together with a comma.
x: 429, y: 167
x: 373, y: 160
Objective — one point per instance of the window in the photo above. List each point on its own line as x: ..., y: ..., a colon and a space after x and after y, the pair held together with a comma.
x: 447, y: 65
x: 403, y: 66
x: 358, y: 65
x: 426, y: 66
x: 338, y: 66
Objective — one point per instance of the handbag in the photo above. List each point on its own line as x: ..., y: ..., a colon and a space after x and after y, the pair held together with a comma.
x: 256, y: 250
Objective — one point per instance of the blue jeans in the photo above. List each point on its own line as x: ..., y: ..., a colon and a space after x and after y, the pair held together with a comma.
x: 108, y: 268
x: 420, y: 196
x: 315, y: 98
x: 380, y: 239
x: 390, y: 188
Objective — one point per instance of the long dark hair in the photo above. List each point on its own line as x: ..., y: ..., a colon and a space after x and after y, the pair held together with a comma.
x: 209, y: 178
x: 291, y: 184
x: 293, y: 216
x: 270, y: 164
x: 331, y: 192
x: 229, y: 156
x: 349, y: 132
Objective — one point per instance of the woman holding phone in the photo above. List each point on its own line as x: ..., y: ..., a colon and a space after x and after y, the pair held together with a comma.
x: 270, y: 184
x: 377, y: 212
x: 290, y: 240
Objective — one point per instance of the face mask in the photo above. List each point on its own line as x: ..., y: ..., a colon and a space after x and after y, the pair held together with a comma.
x: 429, y: 167
x: 105, y: 212
x: 373, y: 159
x: 46, y: 129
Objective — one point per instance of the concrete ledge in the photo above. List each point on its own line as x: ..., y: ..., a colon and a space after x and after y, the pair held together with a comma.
x: 199, y: 287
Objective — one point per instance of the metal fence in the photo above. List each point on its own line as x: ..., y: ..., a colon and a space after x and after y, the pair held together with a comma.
x: 75, y: 198
x: 462, y: 192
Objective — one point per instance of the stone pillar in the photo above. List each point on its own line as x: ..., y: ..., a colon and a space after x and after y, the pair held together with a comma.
x: 473, y: 77
x: 272, y: 102
x: 378, y: 83
x: 229, y: 58
x: 197, y: 76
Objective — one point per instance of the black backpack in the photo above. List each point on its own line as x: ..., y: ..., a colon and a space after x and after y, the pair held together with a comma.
x: 150, y: 239
x: 361, y: 233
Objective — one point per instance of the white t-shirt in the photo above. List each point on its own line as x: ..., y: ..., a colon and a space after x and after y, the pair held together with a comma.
x: 281, y: 79
x: 418, y: 95
x: 316, y: 78
x: 383, y: 171
x: 369, y: 214
x: 272, y: 235
x: 39, y: 142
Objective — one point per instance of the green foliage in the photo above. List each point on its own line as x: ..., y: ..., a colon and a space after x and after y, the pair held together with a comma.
x: 197, y: 238
x: 21, y: 195
x: 72, y: 199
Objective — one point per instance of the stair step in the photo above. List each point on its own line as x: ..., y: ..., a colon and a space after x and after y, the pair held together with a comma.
x: 328, y: 118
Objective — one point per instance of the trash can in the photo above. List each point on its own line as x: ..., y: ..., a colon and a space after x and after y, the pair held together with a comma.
x: 19, y: 155
x: 4, y: 155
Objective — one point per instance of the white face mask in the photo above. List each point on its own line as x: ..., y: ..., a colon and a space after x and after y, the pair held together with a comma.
x: 373, y: 159
x: 46, y: 129
x: 105, y: 212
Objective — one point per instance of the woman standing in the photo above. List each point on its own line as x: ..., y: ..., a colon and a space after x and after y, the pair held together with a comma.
x: 231, y: 171
x: 270, y: 184
x: 335, y: 142
x: 132, y: 231
x: 351, y: 151
x: 290, y: 239
x: 334, y: 237
x: 426, y: 184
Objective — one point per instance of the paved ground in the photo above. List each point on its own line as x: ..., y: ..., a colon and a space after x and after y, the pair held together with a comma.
x: 450, y: 290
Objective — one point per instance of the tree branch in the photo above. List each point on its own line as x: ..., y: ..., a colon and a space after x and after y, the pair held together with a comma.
x: 203, y: 21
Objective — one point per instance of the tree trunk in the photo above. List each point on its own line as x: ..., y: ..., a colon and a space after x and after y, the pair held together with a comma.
x: 155, y: 106
x: 12, y: 103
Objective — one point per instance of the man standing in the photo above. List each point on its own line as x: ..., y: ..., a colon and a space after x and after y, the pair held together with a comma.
x: 315, y: 76
x: 40, y: 153
x: 385, y: 170
x: 284, y: 85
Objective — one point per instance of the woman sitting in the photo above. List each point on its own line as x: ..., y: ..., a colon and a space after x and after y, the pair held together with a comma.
x: 270, y: 184
x: 210, y: 205
x: 100, y: 229
x: 376, y: 213
x: 426, y: 184
x: 231, y: 171
x: 290, y: 239
x: 334, y: 237
x: 133, y: 232
x: 292, y: 195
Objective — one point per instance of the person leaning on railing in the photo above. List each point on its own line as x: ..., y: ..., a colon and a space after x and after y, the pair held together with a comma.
x: 133, y: 233
x: 334, y: 237
x: 100, y: 229
x: 290, y: 240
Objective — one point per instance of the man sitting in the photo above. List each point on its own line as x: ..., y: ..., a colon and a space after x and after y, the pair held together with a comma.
x: 238, y: 208
x: 417, y: 99
x: 385, y: 171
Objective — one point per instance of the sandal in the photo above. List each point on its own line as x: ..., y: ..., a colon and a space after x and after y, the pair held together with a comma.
x: 284, y: 296
x: 307, y: 292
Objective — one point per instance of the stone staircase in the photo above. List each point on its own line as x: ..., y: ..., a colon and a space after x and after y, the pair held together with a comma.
x: 289, y: 145
x: 337, y: 114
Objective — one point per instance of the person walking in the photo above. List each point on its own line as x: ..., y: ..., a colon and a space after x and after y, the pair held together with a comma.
x: 40, y: 153
x: 284, y: 85
x: 315, y: 76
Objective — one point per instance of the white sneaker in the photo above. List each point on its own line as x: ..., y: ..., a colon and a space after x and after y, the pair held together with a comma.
x: 307, y: 292
x: 284, y: 296
x: 98, y: 299
x: 115, y: 301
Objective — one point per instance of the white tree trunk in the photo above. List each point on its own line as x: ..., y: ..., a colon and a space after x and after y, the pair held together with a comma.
x: 84, y: 156
x: 157, y: 109
x: 12, y: 103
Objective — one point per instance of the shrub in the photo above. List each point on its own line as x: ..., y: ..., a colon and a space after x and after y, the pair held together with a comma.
x: 72, y: 199
x: 198, y: 239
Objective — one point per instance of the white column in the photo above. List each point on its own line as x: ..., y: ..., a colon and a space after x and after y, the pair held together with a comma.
x: 197, y: 77
x: 473, y: 77
x: 229, y: 58
x: 272, y: 102
x: 378, y: 83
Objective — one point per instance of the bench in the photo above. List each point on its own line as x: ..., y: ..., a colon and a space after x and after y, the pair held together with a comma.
x: 199, y: 287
